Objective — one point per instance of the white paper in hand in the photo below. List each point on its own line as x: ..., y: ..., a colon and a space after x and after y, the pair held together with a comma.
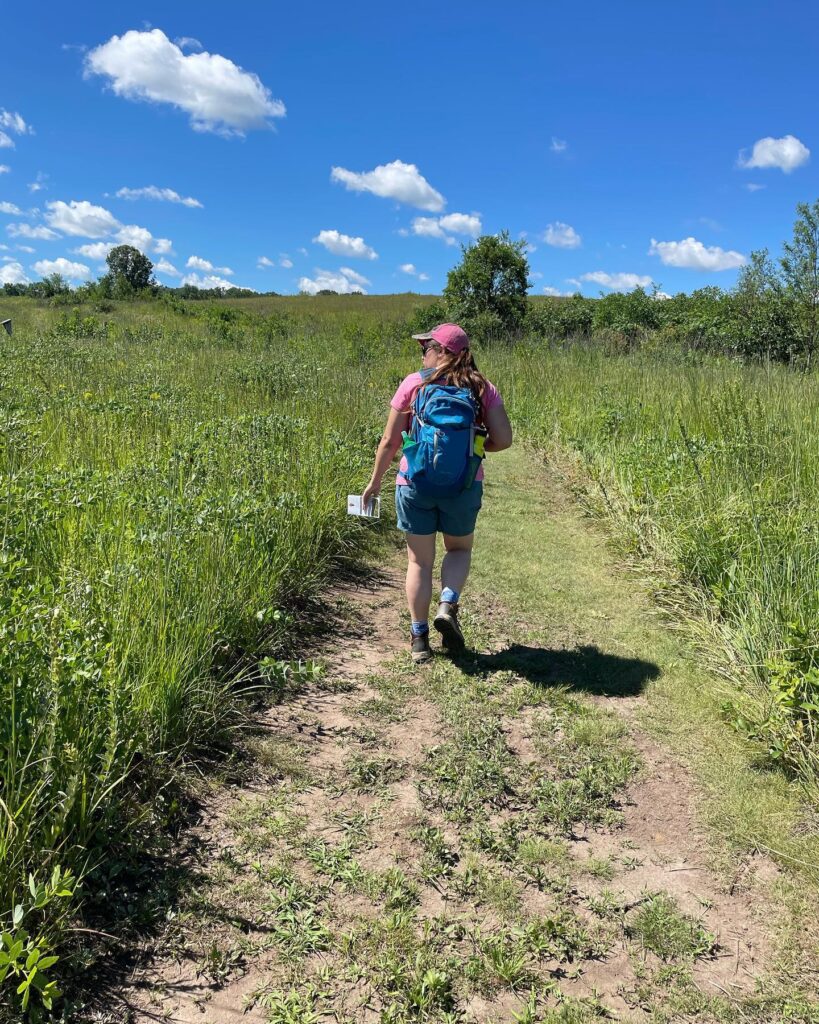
x: 356, y: 508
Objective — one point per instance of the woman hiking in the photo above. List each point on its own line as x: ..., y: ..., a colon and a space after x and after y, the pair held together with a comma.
x: 447, y: 415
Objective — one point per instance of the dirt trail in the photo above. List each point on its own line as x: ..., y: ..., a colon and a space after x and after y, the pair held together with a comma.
x: 502, y: 822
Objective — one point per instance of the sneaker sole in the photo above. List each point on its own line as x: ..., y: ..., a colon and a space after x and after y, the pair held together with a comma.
x: 420, y: 659
x: 451, y: 635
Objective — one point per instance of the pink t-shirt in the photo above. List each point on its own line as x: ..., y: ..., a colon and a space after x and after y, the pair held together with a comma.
x: 405, y: 395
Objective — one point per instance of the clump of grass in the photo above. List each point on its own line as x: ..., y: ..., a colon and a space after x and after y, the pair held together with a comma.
x: 661, y: 928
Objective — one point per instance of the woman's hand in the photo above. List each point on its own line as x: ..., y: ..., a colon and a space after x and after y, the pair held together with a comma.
x: 372, y: 490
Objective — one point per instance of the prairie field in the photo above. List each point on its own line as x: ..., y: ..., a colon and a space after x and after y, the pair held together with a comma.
x: 173, y: 484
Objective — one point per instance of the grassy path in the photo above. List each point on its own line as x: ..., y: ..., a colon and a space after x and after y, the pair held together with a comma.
x: 555, y: 828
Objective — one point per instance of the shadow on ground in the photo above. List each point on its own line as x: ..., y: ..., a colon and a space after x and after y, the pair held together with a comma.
x: 585, y: 668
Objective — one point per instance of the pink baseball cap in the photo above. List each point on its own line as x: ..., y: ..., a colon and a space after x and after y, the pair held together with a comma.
x: 449, y: 336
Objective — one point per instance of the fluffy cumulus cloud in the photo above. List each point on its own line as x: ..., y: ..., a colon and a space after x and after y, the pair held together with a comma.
x: 264, y: 261
x: 94, y: 250
x: 85, y: 220
x: 73, y: 271
x: 285, y: 261
x: 549, y: 290
x: 165, y: 195
x: 217, y: 94
x: 167, y: 268
x: 81, y: 218
x: 163, y: 246
x: 345, y: 245
x: 396, y: 180
x: 344, y: 281
x: 786, y: 153
x: 32, y: 231
x: 11, y: 209
x: 617, y: 282
x: 197, y: 263
x: 12, y: 273
x: 4, y: 169
x: 696, y: 256
x: 562, y: 236
x: 445, y: 227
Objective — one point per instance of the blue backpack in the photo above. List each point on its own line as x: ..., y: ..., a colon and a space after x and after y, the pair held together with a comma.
x: 440, y: 450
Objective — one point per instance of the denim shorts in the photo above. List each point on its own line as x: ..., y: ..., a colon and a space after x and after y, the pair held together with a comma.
x: 420, y: 514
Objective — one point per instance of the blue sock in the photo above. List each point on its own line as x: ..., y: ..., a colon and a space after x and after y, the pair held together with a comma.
x: 449, y: 595
x: 419, y: 628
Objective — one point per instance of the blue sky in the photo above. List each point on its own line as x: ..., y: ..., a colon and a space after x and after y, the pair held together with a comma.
x: 631, y: 143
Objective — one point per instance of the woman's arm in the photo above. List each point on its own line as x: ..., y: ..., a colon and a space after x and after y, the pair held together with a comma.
x: 500, y: 429
x: 389, y: 444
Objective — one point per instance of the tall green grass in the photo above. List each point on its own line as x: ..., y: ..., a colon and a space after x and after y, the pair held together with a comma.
x: 171, y: 489
x: 712, y: 466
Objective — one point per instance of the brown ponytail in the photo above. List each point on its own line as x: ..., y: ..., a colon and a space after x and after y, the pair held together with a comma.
x: 459, y: 369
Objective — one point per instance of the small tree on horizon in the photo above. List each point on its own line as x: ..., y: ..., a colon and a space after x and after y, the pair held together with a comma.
x: 487, y: 290
x: 128, y: 268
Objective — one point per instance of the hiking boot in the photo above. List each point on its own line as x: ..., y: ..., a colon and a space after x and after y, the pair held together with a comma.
x: 446, y: 622
x: 421, y: 651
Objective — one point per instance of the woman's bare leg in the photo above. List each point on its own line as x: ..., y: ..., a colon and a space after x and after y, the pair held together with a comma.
x: 420, y: 560
x: 458, y: 558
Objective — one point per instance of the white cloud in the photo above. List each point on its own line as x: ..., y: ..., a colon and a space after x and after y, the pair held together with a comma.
x: 345, y: 245
x: 345, y: 281
x: 14, y: 123
x: 661, y: 296
x: 440, y: 227
x: 753, y: 187
x: 163, y: 246
x: 81, y: 218
x: 409, y: 268
x: 73, y: 271
x: 397, y: 180
x: 23, y: 248
x: 549, y: 290
x: 11, y: 209
x: 4, y: 169
x: 558, y: 145
x: 39, y: 183
x: 354, y: 276
x: 786, y: 153
x: 263, y: 261
x: 562, y: 236
x: 218, y: 95
x: 166, y: 195
x: 285, y: 262
x: 13, y: 273
x: 693, y: 254
x: 30, y: 231
x: 139, y: 238
x: 166, y: 268
x: 462, y: 223
x: 210, y: 281
x: 616, y: 282
x: 197, y: 263
x: 303, y: 252
x: 94, y: 250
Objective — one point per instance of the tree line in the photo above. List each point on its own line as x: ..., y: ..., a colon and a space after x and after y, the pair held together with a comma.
x: 772, y: 312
